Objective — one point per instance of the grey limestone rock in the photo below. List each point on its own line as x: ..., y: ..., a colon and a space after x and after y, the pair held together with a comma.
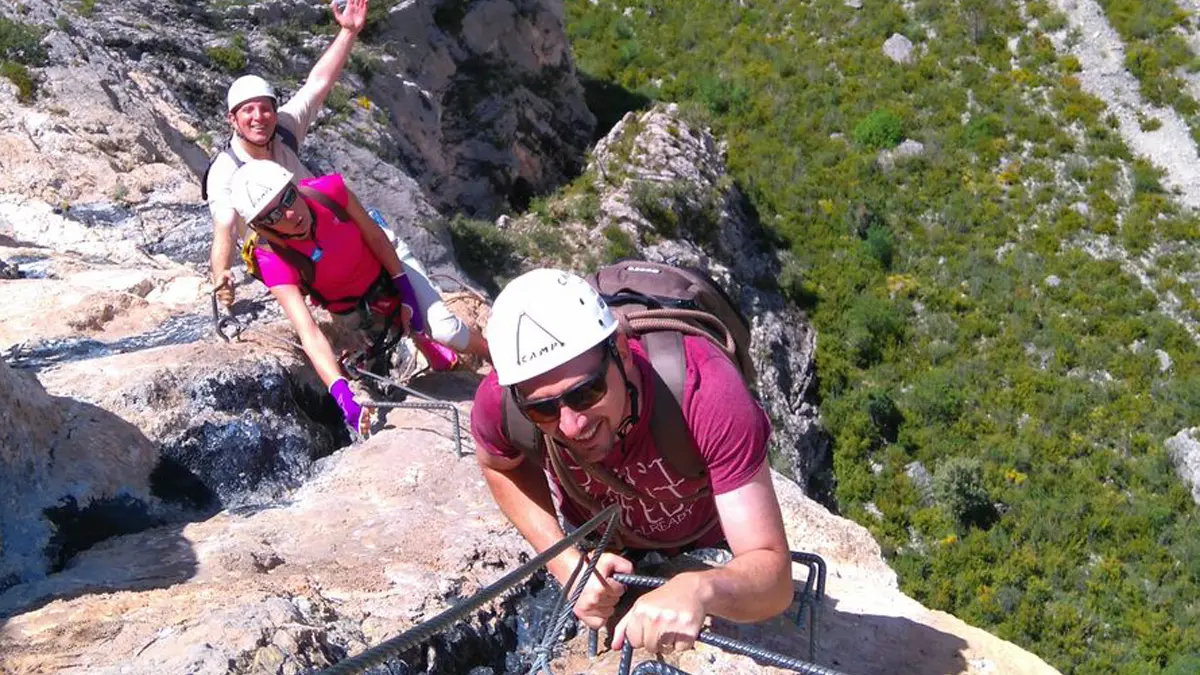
x: 1184, y: 448
x: 898, y: 48
x: 673, y: 165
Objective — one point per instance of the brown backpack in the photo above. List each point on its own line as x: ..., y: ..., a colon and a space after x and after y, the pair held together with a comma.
x: 660, y: 304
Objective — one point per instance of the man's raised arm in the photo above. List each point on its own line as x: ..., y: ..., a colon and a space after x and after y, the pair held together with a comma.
x: 328, y: 68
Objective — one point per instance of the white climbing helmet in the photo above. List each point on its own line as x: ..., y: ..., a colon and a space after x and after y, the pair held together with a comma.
x: 255, y: 185
x: 541, y: 320
x: 248, y: 87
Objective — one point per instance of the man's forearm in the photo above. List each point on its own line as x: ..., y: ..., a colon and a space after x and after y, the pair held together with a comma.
x: 222, y: 250
x: 329, y: 67
x: 754, y: 586
x: 523, y: 496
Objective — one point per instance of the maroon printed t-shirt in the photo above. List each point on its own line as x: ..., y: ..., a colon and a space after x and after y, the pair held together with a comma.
x: 729, y: 427
x: 346, y: 268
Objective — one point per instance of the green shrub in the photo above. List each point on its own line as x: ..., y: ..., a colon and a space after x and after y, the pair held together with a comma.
x: 486, y: 253
x: 959, y: 489
x: 617, y: 244
x: 872, y: 325
x: 87, y: 7
x: 880, y: 244
x: 21, y: 43
x: 983, y: 128
x: 885, y: 416
x: 1146, y: 177
x: 19, y: 75
x: 881, y: 129
x: 231, y: 58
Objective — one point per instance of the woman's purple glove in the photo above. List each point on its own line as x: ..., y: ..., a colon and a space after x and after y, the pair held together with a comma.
x: 409, y: 297
x: 351, y: 411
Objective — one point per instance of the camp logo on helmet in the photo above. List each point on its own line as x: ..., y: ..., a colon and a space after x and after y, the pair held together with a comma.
x: 533, y: 340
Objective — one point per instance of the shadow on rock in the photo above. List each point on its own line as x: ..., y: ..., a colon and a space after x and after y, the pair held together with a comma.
x: 155, y: 558
x: 609, y: 102
x: 861, y: 644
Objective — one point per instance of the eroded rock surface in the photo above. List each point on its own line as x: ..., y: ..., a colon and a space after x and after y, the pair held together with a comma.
x: 664, y: 193
x: 470, y: 106
x: 392, y: 532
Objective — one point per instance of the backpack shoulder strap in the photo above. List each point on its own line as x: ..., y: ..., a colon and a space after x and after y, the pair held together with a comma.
x: 519, y: 431
x: 325, y: 200
x: 667, y: 423
x: 237, y: 163
x: 289, y: 139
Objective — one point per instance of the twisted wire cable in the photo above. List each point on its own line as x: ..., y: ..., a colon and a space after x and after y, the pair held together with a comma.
x: 420, y: 634
x: 545, y: 650
x: 728, y: 644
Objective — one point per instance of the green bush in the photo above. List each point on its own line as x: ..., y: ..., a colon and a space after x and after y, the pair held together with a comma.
x: 19, y: 75
x: 21, y: 43
x: 881, y: 129
x: 959, y: 489
x: 872, y: 325
x: 880, y: 244
x: 231, y: 58
x: 486, y: 253
x: 617, y: 244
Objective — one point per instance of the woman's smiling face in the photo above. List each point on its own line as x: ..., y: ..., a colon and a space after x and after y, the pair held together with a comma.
x: 288, y: 217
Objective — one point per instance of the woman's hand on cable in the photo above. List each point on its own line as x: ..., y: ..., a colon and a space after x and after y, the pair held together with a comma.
x: 408, y: 298
x: 601, y: 594
x: 666, y: 619
x: 357, y: 417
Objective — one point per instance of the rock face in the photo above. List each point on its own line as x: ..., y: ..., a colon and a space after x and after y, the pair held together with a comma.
x: 468, y: 106
x: 662, y: 184
x: 392, y: 532
x: 1185, y: 455
x: 58, y: 457
x: 149, y: 420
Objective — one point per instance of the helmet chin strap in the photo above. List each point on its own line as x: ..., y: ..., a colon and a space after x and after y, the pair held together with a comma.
x: 632, y: 418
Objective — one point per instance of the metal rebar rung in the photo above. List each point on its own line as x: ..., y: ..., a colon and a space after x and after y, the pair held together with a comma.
x: 426, y: 405
x: 422, y: 633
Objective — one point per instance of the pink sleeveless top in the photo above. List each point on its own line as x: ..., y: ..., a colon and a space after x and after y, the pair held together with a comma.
x: 346, y: 267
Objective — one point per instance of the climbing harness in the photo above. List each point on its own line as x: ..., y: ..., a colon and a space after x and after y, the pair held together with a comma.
x: 422, y: 633
x: 720, y: 641
x: 230, y: 329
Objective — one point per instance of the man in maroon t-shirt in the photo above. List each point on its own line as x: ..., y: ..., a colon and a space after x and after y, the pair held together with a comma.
x: 556, y: 346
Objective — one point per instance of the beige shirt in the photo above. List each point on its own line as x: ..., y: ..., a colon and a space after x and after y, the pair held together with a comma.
x: 296, y: 115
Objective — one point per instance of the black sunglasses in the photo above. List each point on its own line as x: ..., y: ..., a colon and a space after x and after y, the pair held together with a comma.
x: 276, y: 214
x: 578, y: 398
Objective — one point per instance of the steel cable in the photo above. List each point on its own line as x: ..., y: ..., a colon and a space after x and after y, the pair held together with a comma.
x: 728, y: 644
x: 552, y: 636
x: 420, y: 634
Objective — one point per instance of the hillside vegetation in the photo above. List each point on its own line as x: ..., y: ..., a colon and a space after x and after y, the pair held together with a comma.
x: 977, y: 304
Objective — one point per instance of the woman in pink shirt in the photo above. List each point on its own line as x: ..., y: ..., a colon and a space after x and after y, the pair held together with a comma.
x: 316, y: 240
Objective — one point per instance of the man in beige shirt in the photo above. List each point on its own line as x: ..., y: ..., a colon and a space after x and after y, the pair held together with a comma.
x: 261, y: 130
